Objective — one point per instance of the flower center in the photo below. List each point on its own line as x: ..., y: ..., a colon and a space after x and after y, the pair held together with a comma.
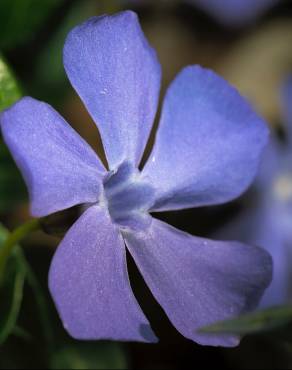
x: 283, y: 188
x: 128, y: 197
x: 283, y: 192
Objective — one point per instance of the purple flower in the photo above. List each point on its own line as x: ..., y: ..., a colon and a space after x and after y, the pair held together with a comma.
x: 267, y: 222
x: 206, y: 151
x: 234, y: 12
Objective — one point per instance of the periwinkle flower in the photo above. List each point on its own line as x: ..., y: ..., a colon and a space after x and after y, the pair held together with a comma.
x: 234, y: 13
x: 267, y: 220
x: 206, y: 151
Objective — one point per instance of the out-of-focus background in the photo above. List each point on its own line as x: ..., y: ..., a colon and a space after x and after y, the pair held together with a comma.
x: 254, y: 55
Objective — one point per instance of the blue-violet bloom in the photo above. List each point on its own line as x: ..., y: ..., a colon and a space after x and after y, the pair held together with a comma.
x: 235, y: 13
x: 267, y: 220
x: 207, y: 151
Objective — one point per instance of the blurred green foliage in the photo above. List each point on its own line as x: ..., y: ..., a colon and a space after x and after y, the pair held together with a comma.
x: 20, y: 20
x: 102, y: 355
x: 49, y: 72
x: 9, y: 89
x: 255, y: 322
x: 11, y: 290
x: 12, y: 189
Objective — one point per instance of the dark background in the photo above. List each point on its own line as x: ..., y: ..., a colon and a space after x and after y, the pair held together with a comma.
x: 255, y: 58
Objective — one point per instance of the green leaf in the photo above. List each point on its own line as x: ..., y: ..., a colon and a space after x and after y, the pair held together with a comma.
x: 12, y: 188
x: 9, y: 249
x: 101, y: 355
x: 256, y: 322
x: 9, y: 89
x: 11, y: 292
x: 42, y: 306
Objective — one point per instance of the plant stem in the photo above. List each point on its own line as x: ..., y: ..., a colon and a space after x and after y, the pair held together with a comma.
x: 44, y: 314
x: 13, y: 239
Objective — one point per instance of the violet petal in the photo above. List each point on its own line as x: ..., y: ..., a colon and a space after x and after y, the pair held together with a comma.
x: 117, y: 75
x: 89, y: 282
x: 208, y: 145
x: 59, y: 167
x: 199, y: 281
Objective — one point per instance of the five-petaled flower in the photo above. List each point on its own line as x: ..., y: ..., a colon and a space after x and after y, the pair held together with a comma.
x: 206, y: 152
